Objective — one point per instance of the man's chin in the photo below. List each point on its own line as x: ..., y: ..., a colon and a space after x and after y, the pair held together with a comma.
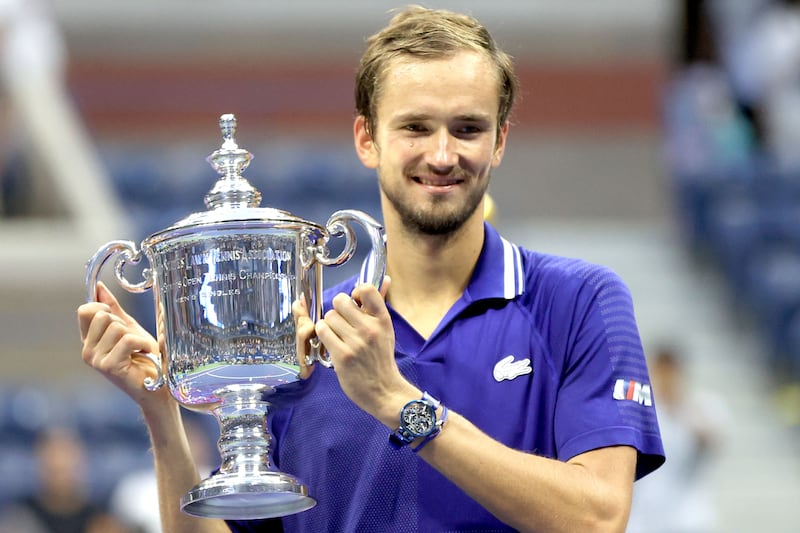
x: 436, y: 224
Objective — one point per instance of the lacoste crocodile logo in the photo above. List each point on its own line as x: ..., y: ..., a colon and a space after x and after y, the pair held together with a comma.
x: 509, y: 369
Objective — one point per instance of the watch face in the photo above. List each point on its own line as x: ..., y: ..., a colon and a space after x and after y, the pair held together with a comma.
x: 418, y: 418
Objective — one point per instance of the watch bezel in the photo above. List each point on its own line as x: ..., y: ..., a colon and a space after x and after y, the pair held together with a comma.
x: 414, y: 414
x: 409, y: 430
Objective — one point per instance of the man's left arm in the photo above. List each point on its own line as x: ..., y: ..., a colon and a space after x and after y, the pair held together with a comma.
x: 590, y: 492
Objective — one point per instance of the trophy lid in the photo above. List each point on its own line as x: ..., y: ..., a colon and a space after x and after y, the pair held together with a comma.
x: 232, y: 190
x: 233, y: 201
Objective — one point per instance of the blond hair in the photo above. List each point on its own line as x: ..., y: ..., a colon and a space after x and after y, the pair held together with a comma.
x: 429, y: 33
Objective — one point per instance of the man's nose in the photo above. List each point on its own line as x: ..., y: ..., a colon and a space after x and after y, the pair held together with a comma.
x: 444, y: 153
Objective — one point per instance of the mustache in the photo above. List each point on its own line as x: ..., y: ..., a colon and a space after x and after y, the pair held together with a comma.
x: 455, y: 173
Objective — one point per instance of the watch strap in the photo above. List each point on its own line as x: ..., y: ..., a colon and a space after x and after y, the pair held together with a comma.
x: 439, y: 425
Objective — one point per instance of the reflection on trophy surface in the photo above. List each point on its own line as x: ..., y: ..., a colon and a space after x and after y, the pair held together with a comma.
x: 224, y: 281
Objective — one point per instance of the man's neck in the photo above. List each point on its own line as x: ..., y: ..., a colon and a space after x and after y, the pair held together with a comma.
x: 429, y: 273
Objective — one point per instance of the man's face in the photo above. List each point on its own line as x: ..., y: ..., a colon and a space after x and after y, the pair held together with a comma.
x: 435, y: 140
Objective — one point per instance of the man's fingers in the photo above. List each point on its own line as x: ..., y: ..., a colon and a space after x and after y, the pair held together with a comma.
x: 304, y: 332
x: 86, y: 314
x: 329, y: 337
x: 343, y: 327
x: 118, y: 351
x: 99, y: 324
x: 304, y: 327
x: 299, y: 309
x: 370, y: 300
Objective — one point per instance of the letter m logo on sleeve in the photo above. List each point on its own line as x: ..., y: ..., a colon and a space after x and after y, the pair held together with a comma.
x: 634, y: 391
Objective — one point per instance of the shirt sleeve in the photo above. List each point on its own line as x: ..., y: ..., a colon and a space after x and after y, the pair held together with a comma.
x: 605, y: 397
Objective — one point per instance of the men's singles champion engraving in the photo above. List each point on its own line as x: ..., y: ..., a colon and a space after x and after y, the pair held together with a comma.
x: 224, y: 281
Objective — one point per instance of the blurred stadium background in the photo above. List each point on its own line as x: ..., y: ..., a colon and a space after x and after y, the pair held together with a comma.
x: 621, y: 152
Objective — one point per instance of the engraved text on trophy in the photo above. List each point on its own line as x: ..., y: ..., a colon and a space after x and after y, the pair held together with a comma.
x: 229, y: 298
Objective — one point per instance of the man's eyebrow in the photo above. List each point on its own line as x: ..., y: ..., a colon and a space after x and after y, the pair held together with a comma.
x: 416, y: 117
x: 475, y: 117
x: 410, y: 117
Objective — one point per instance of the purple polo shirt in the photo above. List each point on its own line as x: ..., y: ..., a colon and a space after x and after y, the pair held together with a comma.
x: 541, y: 352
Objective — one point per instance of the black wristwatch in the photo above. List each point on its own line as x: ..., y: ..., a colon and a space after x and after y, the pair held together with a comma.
x: 417, y: 420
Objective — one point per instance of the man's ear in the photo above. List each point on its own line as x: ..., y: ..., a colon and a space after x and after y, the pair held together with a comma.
x: 366, y: 148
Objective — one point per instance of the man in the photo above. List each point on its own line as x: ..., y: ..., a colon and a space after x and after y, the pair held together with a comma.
x: 534, y: 361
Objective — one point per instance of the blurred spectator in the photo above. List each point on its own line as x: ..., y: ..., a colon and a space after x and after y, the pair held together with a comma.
x: 61, y: 503
x: 679, y: 497
x: 135, y: 498
x: 760, y: 50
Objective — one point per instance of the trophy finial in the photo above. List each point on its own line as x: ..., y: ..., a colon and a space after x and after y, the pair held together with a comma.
x: 227, y: 125
x: 232, y: 190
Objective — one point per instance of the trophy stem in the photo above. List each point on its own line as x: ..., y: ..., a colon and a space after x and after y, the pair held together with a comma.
x: 244, y: 438
x: 246, y: 486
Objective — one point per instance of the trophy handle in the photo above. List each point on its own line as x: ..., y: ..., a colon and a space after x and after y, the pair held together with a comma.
x: 127, y: 254
x: 373, y: 270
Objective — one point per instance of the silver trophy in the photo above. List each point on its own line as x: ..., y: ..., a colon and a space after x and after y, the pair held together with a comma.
x: 224, y: 281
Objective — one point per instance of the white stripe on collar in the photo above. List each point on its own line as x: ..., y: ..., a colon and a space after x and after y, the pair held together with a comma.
x: 513, y: 280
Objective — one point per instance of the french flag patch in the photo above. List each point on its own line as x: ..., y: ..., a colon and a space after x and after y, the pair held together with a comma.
x: 634, y: 391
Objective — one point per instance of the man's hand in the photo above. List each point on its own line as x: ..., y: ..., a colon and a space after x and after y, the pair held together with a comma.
x: 359, y: 337
x: 304, y: 333
x: 111, y: 339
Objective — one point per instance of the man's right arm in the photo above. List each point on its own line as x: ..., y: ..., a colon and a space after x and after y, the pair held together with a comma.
x: 111, y: 338
x: 176, y: 471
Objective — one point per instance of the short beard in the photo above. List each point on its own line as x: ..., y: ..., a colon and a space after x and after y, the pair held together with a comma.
x: 430, y: 222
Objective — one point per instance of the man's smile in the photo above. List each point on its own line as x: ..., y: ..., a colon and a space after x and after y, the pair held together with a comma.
x: 437, y: 181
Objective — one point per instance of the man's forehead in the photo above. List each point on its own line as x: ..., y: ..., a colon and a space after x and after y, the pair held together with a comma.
x: 404, y: 62
x: 470, y: 71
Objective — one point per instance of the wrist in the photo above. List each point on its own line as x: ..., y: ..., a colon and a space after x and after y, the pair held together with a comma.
x: 393, y: 404
x: 161, y: 413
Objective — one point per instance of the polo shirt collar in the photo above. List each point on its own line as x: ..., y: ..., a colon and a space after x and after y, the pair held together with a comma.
x: 498, y: 273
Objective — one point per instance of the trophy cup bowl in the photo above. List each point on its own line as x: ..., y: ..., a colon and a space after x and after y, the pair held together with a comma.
x: 224, y: 281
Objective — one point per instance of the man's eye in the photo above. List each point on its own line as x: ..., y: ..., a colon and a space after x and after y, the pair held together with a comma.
x: 415, y: 128
x: 469, y: 130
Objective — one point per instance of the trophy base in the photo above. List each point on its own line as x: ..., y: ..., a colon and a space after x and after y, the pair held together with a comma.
x: 233, y: 497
